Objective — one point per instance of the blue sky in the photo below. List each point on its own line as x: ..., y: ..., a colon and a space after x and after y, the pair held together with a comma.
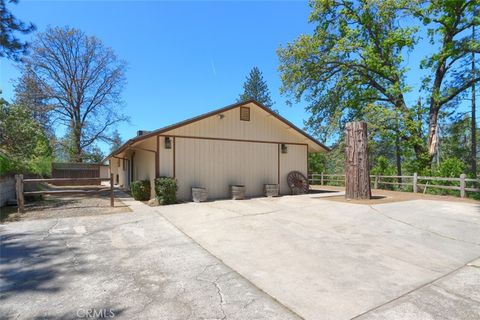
x: 184, y: 58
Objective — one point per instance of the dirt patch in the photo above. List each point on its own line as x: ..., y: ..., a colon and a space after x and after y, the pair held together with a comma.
x: 378, y: 199
x: 387, y: 196
x: 63, y: 206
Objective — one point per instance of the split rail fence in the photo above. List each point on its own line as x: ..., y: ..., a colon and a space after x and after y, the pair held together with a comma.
x: 416, y: 182
x: 21, y: 193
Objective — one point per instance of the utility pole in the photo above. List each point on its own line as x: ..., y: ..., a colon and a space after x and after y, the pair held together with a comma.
x: 474, y: 124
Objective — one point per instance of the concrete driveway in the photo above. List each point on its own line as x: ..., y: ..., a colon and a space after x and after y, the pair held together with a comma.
x: 332, y: 260
x: 283, y: 258
x: 122, y: 266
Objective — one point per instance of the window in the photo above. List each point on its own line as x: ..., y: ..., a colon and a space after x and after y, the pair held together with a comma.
x: 244, y: 113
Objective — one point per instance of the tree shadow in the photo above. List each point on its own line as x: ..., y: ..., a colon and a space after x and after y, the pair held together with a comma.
x: 31, y: 265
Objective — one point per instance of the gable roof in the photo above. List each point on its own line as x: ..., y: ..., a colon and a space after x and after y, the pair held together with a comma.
x: 212, y: 113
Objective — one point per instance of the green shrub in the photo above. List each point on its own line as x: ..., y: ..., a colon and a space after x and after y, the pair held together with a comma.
x: 384, y: 168
x: 450, y: 168
x: 166, y: 190
x: 141, y: 190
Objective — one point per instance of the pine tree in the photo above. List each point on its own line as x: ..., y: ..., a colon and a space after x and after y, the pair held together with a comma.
x: 255, y: 87
x: 12, y: 47
x: 115, y: 141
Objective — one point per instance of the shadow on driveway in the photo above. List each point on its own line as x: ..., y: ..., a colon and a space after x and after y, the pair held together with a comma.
x: 29, y: 264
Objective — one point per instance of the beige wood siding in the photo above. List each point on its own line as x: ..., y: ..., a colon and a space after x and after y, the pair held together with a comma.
x: 218, y: 164
x: 262, y: 126
x: 144, y: 168
x: 104, y: 172
x: 294, y: 159
x: 221, y: 150
x: 166, y: 159
x: 113, y: 168
x: 122, y: 172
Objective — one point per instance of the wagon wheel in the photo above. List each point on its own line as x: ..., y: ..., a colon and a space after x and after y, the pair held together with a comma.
x: 297, y: 182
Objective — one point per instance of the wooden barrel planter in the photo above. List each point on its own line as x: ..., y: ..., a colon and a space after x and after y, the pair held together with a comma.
x: 271, y: 190
x: 238, y: 192
x: 199, y: 194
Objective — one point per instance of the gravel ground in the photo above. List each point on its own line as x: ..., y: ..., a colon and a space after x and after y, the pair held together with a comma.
x: 387, y: 196
x: 63, y: 207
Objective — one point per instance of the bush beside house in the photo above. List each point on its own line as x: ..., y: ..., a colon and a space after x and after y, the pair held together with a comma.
x: 166, y: 190
x: 141, y: 190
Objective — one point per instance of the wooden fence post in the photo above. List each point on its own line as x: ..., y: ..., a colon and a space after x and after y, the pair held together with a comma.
x: 19, y: 191
x: 462, y: 185
x: 375, y: 185
x: 112, y: 197
x: 415, y: 180
x: 321, y: 179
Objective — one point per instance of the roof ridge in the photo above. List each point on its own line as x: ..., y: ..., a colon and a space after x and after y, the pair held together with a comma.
x: 212, y: 113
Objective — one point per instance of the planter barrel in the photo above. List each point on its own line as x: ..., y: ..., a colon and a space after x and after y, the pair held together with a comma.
x: 199, y: 194
x: 238, y: 192
x: 271, y: 190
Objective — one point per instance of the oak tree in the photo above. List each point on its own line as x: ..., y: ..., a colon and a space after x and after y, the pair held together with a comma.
x: 81, y: 80
x: 355, y: 62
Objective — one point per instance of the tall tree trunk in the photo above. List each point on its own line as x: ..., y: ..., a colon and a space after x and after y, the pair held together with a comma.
x: 474, y: 124
x: 357, y: 175
x: 414, y: 135
x: 432, y: 131
x: 397, y: 150
x: 77, y: 137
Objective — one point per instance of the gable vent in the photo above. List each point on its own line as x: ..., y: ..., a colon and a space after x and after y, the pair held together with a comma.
x: 245, y: 113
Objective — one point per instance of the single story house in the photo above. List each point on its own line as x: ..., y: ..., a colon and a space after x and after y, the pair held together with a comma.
x: 241, y: 144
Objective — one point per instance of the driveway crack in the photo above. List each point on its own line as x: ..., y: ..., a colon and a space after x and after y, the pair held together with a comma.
x: 49, y: 231
x: 217, y: 287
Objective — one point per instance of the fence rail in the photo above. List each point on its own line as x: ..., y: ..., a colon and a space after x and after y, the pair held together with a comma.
x: 21, y: 193
x: 414, y: 181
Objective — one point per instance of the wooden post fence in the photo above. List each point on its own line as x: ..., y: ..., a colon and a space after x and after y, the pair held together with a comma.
x: 112, y: 198
x: 462, y: 185
x: 415, y: 182
x: 19, y: 191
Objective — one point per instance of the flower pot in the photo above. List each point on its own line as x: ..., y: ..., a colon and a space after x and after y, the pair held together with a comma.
x: 199, y: 194
x: 271, y: 190
x: 238, y: 192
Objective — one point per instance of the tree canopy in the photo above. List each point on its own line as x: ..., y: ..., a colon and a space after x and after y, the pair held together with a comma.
x: 354, y: 66
x: 11, y: 46
x: 25, y: 145
x: 80, y: 81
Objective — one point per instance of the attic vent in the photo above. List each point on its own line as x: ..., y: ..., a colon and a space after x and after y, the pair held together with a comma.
x: 245, y: 113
